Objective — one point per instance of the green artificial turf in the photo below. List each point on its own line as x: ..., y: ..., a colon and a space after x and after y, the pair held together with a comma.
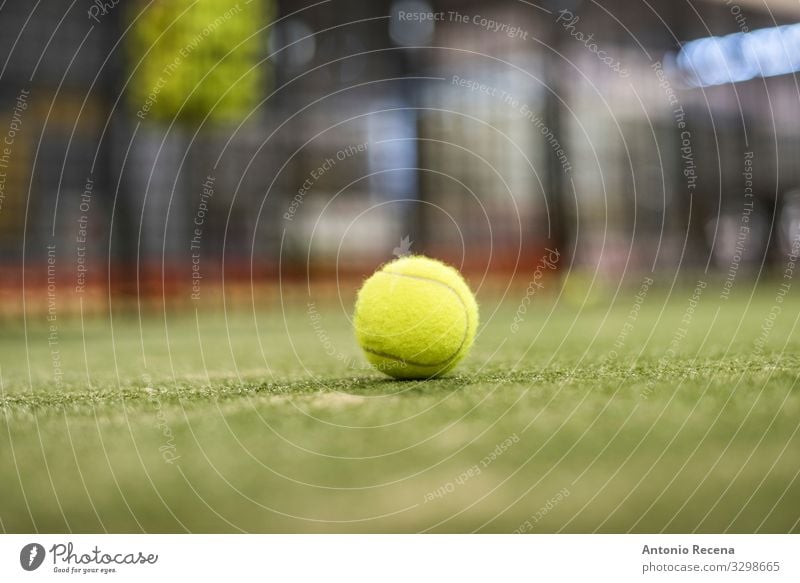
x: 618, y: 415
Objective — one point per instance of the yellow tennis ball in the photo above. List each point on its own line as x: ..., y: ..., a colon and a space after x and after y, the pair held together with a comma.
x: 415, y: 318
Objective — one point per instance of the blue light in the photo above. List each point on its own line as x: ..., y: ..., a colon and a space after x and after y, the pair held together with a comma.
x: 766, y: 52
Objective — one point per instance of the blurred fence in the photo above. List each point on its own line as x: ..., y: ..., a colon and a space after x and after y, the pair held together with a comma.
x: 329, y: 136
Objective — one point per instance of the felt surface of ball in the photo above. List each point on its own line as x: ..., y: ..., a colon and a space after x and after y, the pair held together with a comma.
x: 415, y: 318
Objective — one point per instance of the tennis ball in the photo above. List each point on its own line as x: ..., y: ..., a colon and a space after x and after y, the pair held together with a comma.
x: 415, y: 318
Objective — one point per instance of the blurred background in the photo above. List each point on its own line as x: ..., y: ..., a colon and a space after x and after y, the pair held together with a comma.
x: 159, y: 149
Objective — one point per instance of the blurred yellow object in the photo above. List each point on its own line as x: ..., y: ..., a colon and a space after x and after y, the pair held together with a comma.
x: 586, y: 288
x: 196, y: 58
